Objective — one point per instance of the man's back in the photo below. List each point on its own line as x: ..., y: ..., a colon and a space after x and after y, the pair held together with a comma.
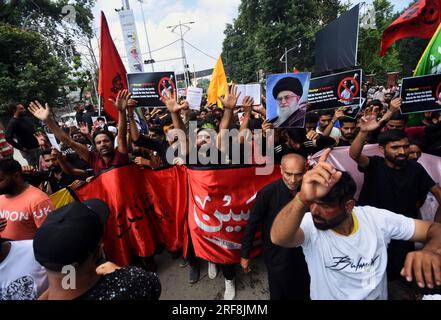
x: 21, y: 276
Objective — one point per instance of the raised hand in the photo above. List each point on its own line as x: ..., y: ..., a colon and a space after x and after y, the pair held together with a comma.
x: 172, y: 105
x: 230, y: 100
x: 39, y: 112
x: 319, y: 181
x: 41, y: 138
x: 395, y: 105
x: 84, y: 128
x: 247, y: 104
x: 266, y: 126
x: 121, y: 100
x: 339, y: 113
x: 369, y: 123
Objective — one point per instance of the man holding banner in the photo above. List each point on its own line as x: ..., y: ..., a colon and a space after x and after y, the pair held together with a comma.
x: 105, y: 155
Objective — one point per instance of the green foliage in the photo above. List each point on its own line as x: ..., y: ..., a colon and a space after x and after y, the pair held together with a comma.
x: 28, y: 70
x: 38, y: 58
x: 264, y: 28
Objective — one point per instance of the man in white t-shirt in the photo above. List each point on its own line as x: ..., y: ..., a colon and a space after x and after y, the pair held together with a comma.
x: 345, y: 246
x: 21, y: 276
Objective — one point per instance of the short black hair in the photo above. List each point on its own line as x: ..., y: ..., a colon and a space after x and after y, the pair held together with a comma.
x: 45, y: 151
x: 375, y: 103
x: 12, y: 107
x: 311, y: 117
x: 417, y: 141
x: 106, y: 132
x: 342, y: 191
x: 390, y: 136
x: 399, y: 116
x: 10, y: 166
x: 298, y: 135
x: 325, y: 113
x: 346, y: 119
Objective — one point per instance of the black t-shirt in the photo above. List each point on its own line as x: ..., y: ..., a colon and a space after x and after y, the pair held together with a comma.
x: 397, y: 190
x: 130, y: 283
x: 23, y: 131
x: 158, y: 145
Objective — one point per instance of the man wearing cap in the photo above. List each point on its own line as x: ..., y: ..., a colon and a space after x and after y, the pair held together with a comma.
x: 288, y: 92
x: 68, y: 245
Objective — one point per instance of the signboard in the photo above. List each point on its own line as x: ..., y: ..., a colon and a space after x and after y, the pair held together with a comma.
x: 149, y: 87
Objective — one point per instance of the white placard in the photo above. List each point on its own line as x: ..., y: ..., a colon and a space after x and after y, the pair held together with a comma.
x: 194, y: 97
x: 53, y: 141
x: 252, y: 90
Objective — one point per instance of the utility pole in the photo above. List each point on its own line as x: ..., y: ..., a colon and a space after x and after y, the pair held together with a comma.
x: 181, y: 35
x: 146, y: 35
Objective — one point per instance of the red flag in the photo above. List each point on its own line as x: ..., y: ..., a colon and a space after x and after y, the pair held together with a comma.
x: 420, y: 20
x: 220, y: 202
x: 112, y: 76
x: 143, y: 212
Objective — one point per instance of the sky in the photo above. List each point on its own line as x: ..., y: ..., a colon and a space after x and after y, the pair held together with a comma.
x: 209, y: 16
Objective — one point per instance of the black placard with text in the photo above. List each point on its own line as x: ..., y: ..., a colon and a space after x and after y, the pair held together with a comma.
x: 335, y: 91
x: 421, y: 94
x: 148, y: 87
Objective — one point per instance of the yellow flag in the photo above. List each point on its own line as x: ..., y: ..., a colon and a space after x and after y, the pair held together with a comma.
x: 61, y: 198
x: 218, y: 85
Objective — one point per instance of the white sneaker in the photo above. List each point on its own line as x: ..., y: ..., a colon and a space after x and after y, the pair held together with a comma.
x: 212, y: 270
x: 230, y: 289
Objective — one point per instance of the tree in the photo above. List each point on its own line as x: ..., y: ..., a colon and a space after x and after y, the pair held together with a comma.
x: 28, y: 70
x: 52, y: 64
x: 264, y: 28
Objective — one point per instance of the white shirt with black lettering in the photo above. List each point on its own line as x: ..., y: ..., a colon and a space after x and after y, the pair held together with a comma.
x: 353, y: 267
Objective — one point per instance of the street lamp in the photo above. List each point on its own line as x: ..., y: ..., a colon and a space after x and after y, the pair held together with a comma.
x: 285, y: 55
x: 181, y: 35
x: 141, y: 2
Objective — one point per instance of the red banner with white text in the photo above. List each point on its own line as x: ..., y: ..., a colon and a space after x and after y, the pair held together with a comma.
x: 220, y: 202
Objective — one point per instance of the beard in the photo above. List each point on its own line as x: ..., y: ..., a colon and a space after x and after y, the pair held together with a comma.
x: 285, y: 112
x: 399, y: 162
x: 330, y: 224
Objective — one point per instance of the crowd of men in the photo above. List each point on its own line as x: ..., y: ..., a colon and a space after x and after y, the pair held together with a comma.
x: 318, y: 241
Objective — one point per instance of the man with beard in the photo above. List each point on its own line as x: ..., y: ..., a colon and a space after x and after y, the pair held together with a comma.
x: 288, y: 276
x: 348, y: 127
x: 395, y: 184
x: 345, y: 246
x: 20, y: 134
x: 288, y: 92
x: 105, y: 156
x: 23, y: 206
x: 54, y: 178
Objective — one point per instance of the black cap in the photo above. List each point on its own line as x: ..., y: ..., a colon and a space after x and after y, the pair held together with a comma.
x: 288, y: 84
x: 70, y: 233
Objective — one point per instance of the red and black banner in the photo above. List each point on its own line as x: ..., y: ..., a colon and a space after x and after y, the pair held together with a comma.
x: 149, y: 208
x: 420, y: 20
x: 220, y: 202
